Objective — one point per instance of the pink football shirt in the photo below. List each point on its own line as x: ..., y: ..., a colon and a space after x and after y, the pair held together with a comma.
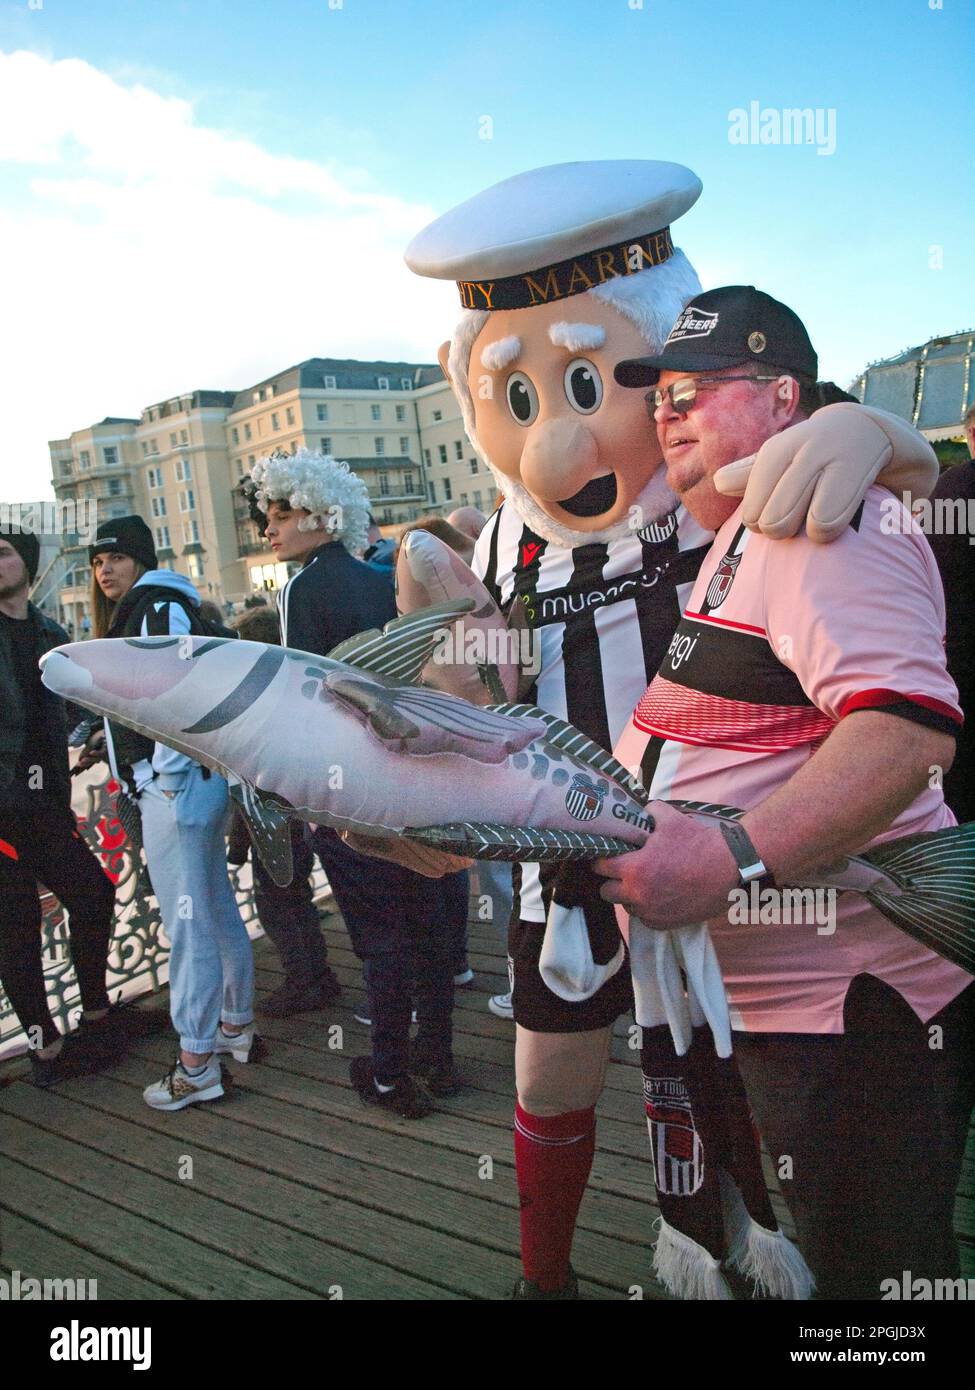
x: 779, y: 641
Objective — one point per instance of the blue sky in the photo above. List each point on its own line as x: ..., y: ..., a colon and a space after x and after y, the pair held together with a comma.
x: 364, y: 119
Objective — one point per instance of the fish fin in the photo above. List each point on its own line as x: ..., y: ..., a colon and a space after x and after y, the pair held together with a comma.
x: 491, y: 680
x: 936, y: 901
x: 417, y: 719
x: 405, y: 645
x: 380, y: 714
x: 571, y: 740
x: 267, y: 825
x: 480, y: 840
x: 713, y: 810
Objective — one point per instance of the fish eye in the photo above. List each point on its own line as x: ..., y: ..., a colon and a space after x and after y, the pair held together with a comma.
x: 522, y: 398
x: 583, y: 386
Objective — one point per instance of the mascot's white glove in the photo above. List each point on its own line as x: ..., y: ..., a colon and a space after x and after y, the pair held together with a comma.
x: 821, y: 468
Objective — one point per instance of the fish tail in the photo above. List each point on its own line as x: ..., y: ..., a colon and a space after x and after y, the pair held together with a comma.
x: 935, y: 900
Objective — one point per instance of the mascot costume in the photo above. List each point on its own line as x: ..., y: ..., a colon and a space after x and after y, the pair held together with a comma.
x: 563, y: 272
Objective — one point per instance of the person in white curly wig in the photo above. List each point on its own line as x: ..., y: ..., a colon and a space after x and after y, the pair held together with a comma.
x: 335, y: 498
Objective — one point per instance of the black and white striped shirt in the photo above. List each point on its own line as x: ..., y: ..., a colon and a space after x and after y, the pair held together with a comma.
x: 604, y: 615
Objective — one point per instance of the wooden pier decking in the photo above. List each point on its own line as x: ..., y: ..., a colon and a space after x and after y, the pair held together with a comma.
x: 290, y: 1188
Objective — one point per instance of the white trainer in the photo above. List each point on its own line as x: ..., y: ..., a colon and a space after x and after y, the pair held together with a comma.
x: 177, y: 1089
x: 501, y: 1005
x: 237, y: 1044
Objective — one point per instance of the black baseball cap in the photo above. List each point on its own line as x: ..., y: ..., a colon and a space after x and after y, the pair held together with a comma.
x: 728, y: 327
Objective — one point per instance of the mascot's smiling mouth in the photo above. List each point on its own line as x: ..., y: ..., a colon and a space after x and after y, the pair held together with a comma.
x: 598, y: 495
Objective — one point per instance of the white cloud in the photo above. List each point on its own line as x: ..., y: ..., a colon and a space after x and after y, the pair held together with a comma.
x: 152, y: 255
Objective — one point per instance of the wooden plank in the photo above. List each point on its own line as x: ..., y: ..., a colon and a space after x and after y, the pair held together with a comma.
x: 431, y: 1231
x: 42, y: 1254
x: 246, y: 1256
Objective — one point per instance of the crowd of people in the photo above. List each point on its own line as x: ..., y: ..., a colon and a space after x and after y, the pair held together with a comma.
x: 815, y: 1088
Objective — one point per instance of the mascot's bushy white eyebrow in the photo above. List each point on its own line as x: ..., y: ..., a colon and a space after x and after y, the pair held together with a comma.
x: 352, y: 741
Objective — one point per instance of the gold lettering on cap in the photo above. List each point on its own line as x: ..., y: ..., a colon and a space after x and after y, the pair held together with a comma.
x: 542, y: 293
x: 578, y: 274
x: 605, y: 266
x: 486, y: 292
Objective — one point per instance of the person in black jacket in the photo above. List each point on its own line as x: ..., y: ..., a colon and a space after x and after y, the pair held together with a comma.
x: 316, y: 512
x: 39, y: 838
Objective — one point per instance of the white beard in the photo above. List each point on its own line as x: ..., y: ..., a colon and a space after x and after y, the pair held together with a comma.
x: 654, y: 503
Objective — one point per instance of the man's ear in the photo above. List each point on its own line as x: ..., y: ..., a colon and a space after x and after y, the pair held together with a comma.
x: 787, y: 396
x: 443, y: 357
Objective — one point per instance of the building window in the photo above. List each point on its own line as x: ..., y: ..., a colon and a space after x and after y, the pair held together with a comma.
x: 400, y: 414
x: 155, y: 477
x: 426, y: 457
x: 379, y: 444
x: 443, y: 452
x: 275, y: 422
x: 438, y: 415
x: 187, y: 502
x: 289, y: 415
x: 329, y: 383
x: 172, y: 440
x: 110, y: 455
x: 184, y: 437
x: 191, y: 531
x: 195, y: 567
x: 251, y: 460
x: 376, y: 411
x: 115, y: 487
x: 458, y: 448
x: 247, y: 432
x: 321, y: 411
x: 162, y: 538
x: 240, y: 468
x: 473, y: 465
x: 383, y: 383
x: 404, y: 445
x: 183, y: 472
x: 326, y: 443
x: 463, y: 499
x: 432, y: 489
x: 384, y: 484
x: 158, y: 506
x: 477, y: 500
x: 145, y: 449
x: 406, y: 383
x: 155, y: 446
x: 235, y: 435
x: 447, y: 490
x: 408, y: 482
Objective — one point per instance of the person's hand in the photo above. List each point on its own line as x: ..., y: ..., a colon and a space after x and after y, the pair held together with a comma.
x: 94, y: 751
x: 422, y: 859
x: 818, y: 471
x: 682, y: 874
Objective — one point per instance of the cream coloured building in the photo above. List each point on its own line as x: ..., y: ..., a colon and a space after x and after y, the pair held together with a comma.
x: 180, y: 465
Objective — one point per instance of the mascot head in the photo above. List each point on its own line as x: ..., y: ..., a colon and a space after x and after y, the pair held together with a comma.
x: 563, y: 272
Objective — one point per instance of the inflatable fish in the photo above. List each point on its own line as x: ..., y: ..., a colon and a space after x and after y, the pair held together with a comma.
x: 350, y: 740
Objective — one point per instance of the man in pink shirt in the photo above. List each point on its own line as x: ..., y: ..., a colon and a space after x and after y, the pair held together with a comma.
x: 806, y: 684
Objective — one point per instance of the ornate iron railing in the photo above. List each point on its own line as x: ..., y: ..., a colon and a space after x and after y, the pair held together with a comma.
x: 139, y: 955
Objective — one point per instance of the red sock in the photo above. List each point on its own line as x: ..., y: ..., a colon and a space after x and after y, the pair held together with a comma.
x: 553, y: 1156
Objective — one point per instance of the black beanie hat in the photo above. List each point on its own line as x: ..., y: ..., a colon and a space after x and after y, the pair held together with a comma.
x: 28, y: 547
x: 128, y: 535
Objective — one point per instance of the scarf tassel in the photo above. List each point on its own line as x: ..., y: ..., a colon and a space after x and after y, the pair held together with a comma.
x: 686, y: 1270
x: 768, y: 1258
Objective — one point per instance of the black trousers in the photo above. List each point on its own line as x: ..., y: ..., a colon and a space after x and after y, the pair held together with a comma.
x: 404, y: 928
x: 42, y: 841
x: 873, y: 1124
x: 289, y: 915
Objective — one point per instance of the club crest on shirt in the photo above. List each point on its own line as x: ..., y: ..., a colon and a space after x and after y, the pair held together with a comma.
x: 584, y: 799
x: 722, y: 580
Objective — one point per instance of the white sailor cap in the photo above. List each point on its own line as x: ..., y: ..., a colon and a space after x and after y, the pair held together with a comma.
x: 557, y: 231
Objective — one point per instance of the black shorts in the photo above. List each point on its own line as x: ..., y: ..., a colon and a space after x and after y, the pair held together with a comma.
x: 539, y: 1010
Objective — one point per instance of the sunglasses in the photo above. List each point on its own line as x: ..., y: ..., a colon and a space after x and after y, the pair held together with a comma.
x: 682, y: 394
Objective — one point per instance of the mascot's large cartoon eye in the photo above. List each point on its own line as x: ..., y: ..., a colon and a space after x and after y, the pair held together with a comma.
x: 583, y: 386
x: 522, y: 398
